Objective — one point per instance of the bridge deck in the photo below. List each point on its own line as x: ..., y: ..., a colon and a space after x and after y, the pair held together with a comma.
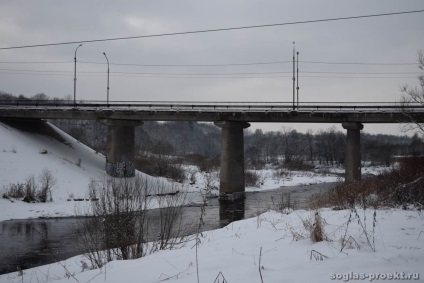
x: 211, y: 111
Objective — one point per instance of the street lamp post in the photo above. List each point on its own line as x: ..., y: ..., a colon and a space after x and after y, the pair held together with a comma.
x: 297, y: 80
x: 107, y: 98
x: 294, y: 79
x: 75, y: 74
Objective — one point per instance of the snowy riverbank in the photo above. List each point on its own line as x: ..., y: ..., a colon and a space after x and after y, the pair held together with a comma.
x: 393, y: 250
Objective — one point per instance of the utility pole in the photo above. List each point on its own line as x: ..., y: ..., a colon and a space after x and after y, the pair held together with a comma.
x: 294, y: 79
x: 107, y: 95
x: 75, y: 74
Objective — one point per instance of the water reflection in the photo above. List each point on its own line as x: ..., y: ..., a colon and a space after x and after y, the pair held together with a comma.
x: 29, y: 243
x: 230, y: 211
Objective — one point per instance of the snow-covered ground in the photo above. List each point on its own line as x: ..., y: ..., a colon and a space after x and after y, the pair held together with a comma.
x: 270, y: 180
x: 21, y: 157
x: 393, y: 250
x: 394, y: 247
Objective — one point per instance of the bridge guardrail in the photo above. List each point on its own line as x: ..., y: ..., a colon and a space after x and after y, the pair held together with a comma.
x: 209, y: 105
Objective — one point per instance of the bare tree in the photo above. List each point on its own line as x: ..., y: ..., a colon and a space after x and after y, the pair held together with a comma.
x: 414, y: 96
x: 47, y: 182
x: 40, y: 96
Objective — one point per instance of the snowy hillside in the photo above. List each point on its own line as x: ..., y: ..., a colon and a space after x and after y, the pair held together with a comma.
x: 28, y: 149
x: 25, y: 153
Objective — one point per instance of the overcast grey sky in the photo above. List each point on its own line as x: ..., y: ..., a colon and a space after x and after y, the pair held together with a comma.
x: 390, y: 39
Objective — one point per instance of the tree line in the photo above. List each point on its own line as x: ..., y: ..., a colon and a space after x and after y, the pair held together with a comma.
x: 326, y: 147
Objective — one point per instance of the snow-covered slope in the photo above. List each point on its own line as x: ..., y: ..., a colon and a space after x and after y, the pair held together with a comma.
x: 25, y: 153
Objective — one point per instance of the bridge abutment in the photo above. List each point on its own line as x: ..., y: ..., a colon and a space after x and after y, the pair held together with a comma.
x: 120, y: 147
x: 232, y: 184
x: 353, y: 151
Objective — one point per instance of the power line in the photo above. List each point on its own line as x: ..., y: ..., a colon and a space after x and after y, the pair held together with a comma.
x: 201, y: 77
x: 365, y: 73
x: 246, y: 64
x: 189, y: 65
x: 210, y: 65
x: 358, y: 63
x: 215, y: 74
x: 35, y: 62
x: 211, y: 30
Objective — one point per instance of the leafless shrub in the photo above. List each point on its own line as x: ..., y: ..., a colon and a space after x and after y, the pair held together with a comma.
x: 413, y: 96
x: 204, y: 163
x: 283, y: 203
x: 170, y: 219
x: 121, y: 226
x: 16, y: 190
x: 210, y: 179
x: 118, y: 227
x: 161, y: 166
x: 30, y: 189
x: 192, y: 177
x: 199, y: 235
x: 252, y: 179
x: 281, y: 173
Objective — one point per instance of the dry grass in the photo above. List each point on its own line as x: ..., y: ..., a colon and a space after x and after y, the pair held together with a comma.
x: 400, y: 186
x: 317, y: 231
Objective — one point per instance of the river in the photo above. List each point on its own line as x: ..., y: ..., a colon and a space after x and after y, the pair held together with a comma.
x: 34, y: 242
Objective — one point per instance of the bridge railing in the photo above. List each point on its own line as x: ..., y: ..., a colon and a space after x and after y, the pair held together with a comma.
x: 213, y: 105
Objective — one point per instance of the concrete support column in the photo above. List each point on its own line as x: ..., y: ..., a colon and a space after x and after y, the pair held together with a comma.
x: 232, y: 160
x: 120, y: 147
x: 353, y: 151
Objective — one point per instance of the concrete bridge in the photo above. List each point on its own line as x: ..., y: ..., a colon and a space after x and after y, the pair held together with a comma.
x: 232, y: 117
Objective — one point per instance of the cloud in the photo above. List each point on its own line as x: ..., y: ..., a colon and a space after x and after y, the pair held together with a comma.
x: 385, y: 39
x: 150, y: 25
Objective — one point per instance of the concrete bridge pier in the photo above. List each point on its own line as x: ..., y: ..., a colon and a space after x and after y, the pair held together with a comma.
x: 353, y: 151
x: 232, y: 160
x: 120, y: 147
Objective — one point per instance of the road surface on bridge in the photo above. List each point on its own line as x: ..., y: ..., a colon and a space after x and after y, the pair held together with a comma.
x: 312, y: 112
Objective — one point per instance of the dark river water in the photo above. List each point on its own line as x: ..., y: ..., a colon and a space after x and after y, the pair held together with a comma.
x: 35, y: 242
